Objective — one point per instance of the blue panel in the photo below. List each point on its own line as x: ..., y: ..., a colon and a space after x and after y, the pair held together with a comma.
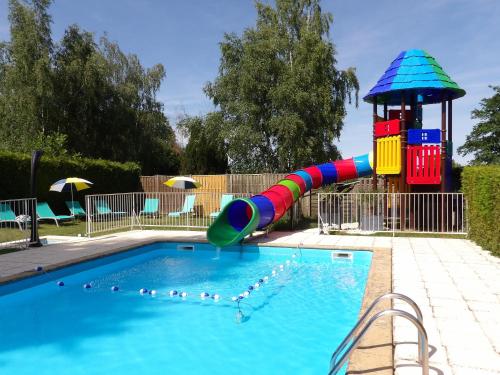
x: 306, y: 177
x: 362, y: 164
x: 329, y: 173
x: 266, y: 210
x: 424, y: 136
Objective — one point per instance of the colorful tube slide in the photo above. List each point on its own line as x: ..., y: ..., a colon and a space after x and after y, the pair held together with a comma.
x: 242, y: 216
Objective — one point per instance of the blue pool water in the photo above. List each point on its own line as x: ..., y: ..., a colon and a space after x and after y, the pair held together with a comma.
x: 290, y: 325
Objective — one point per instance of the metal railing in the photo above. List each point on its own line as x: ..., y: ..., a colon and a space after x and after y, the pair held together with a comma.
x: 353, y: 338
x: 124, y: 211
x: 15, y: 222
x: 392, y: 212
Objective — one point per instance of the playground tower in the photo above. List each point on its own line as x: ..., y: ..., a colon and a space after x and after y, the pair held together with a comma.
x: 410, y: 157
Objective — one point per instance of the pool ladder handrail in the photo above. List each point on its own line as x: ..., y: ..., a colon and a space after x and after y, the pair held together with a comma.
x: 423, y: 353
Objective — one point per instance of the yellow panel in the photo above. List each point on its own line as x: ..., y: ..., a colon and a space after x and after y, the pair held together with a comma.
x: 389, y: 155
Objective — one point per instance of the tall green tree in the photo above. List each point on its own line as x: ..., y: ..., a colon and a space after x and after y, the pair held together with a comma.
x: 484, y: 140
x: 205, y: 152
x: 280, y: 94
x: 26, y: 92
x: 79, y: 96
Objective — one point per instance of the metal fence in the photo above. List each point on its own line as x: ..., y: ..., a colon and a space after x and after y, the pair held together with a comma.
x: 115, y: 212
x: 392, y: 212
x: 15, y: 222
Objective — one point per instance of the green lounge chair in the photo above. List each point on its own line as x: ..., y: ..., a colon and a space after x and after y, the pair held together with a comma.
x: 75, y: 208
x: 44, y: 212
x: 150, y: 207
x: 226, y: 198
x: 187, y: 208
x: 8, y: 216
x: 103, y: 208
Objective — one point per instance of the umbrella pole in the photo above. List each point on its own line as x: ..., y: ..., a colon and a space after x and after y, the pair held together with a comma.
x: 72, y: 202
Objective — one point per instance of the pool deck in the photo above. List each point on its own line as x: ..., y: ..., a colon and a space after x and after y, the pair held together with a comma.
x: 455, y: 283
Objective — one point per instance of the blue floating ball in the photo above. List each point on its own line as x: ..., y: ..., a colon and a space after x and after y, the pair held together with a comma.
x: 87, y: 286
x: 143, y: 290
x: 250, y: 287
x: 261, y: 281
x: 172, y: 293
x: 240, y: 297
x: 39, y: 269
x: 114, y: 288
x: 60, y: 283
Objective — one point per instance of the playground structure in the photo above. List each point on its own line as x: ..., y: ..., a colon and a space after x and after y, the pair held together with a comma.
x: 410, y: 158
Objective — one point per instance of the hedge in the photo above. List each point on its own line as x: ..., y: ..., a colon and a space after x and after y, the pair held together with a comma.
x: 481, y: 186
x: 107, y: 176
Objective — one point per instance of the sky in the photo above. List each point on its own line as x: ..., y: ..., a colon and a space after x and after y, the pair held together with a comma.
x: 184, y: 36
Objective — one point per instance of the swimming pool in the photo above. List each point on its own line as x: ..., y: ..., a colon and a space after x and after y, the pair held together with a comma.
x: 289, y: 324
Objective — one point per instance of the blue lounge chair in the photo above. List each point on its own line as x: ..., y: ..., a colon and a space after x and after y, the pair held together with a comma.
x: 75, y: 208
x: 226, y: 198
x: 44, y: 212
x: 103, y: 208
x: 8, y: 216
x: 150, y: 207
x: 187, y: 208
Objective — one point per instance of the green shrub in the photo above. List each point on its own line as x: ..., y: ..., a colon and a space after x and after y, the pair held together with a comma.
x: 107, y: 176
x: 481, y: 186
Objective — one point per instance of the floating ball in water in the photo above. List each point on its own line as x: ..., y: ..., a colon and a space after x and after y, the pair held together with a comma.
x: 287, y: 262
x: 281, y: 267
x: 216, y: 297
x: 241, y: 296
x: 60, y: 283
x: 273, y: 273
x: 39, y: 269
x: 143, y: 290
x: 204, y: 295
x: 172, y: 293
x: 152, y: 292
x: 114, y: 288
x: 266, y: 279
x: 246, y: 293
x: 261, y: 281
x: 234, y: 299
x: 257, y: 285
x: 183, y: 294
x: 87, y: 286
x: 250, y: 287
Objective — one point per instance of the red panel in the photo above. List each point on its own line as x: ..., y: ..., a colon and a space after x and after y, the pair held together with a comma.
x: 423, y: 165
x: 316, y: 176
x: 385, y: 128
x: 299, y: 181
x: 278, y: 203
x: 346, y: 169
x: 285, y: 193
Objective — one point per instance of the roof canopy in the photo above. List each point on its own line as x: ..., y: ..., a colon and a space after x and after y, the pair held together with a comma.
x: 414, y: 72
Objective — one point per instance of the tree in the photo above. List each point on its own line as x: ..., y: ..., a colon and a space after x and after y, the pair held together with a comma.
x: 26, y: 92
x: 205, y: 152
x: 80, y: 96
x: 281, y: 97
x: 484, y: 140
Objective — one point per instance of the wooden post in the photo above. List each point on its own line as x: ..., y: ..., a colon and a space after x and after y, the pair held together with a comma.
x: 450, y: 121
x: 375, y: 117
x: 402, y: 176
x: 443, y: 145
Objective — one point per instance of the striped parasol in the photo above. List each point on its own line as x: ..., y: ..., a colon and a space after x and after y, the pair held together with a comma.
x: 182, y: 183
x: 70, y: 184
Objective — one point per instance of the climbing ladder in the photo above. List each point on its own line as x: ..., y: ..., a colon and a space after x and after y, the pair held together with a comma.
x: 353, y: 338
